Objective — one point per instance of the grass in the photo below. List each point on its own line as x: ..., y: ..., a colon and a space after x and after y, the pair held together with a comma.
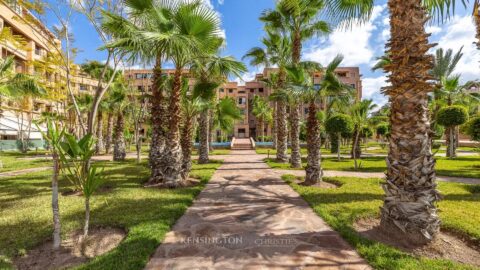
x: 12, y: 161
x: 467, y: 166
x: 215, y: 152
x: 146, y: 214
x: 361, y: 198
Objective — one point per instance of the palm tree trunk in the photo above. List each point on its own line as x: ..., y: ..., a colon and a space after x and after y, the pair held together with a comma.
x: 99, y: 146
x: 282, y: 132
x: 159, y: 119
x: 186, y: 141
x: 356, y: 146
x: 274, y: 125
x: 119, y: 152
x: 339, y: 145
x: 109, y: 137
x: 313, y: 171
x: 450, y: 141
x: 296, y: 157
x: 476, y: 14
x: 203, y: 134
x: 55, y: 207
x: 409, y: 210
x: 260, y: 123
x: 172, y: 161
x: 210, y: 130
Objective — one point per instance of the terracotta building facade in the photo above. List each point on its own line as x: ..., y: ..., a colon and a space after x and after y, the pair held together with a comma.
x: 141, y: 79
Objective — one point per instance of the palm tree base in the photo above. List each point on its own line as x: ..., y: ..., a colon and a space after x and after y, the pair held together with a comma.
x: 411, y: 237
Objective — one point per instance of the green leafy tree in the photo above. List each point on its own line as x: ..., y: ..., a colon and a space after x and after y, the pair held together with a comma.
x: 338, y: 124
x: 451, y: 117
x: 263, y: 112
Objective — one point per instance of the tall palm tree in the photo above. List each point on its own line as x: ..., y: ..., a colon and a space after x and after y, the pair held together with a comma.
x: 161, y: 25
x: 409, y: 209
x: 276, y: 51
x: 263, y: 112
x: 118, y: 95
x: 210, y: 72
x: 410, y: 162
x: 300, y: 21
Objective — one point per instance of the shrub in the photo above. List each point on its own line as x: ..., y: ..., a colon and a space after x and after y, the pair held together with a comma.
x: 473, y: 128
x: 367, y: 132
x: 340, y: 123
x: 452, y: 116
x: 382, y: 129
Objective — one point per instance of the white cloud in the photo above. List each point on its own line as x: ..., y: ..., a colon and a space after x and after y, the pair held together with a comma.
x: 372, y: 87
x: 352, y: 43
x: 433, y: 29
x: 246, y: 77
x: 458, y: 32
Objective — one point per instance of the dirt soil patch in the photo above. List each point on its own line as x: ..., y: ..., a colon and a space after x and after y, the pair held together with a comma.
x: 446, y: 246
x: 101, y: 240
x: 190, y: 182
x: 321, y: 184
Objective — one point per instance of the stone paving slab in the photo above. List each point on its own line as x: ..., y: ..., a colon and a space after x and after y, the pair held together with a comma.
x: 248, y: 218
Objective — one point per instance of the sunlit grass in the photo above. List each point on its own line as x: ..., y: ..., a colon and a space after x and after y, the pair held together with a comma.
x: 467, y: 166
x: 145, y: 213
x: 361, y: 198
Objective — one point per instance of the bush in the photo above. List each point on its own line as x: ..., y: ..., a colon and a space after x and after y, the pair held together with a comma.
x: 452, y: 116
x: 382, y: 129
x: 473, y: 128
x: 367, y: 132
x: 340, y: 123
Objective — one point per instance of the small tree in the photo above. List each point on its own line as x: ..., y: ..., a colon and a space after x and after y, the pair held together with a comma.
x: 451, y: 117
x: 54, y: 136
x: 382, y: 130
x: 473, y: 128
x: 75, y: 156
x: 338, y: 124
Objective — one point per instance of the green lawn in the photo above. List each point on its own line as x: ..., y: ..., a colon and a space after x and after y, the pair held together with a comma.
x: 361, y: 198
x: 215, y: 152
x: 145, y: 213
x: 12, y: 161
x: 468, y: 166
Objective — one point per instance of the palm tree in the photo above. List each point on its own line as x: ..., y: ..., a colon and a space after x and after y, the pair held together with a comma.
x: 225, y: 113
x: 210, y: 72
x: 119, y: 97
x: 360, y: 112
x: 300, y: 21
x: 263, y: 112
x: 161, y: 25
x: 276, y: 51
x: 409, y: 209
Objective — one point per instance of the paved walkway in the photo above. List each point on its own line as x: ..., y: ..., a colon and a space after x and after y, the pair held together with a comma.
x: 24, y: 171
x: 248, y: 218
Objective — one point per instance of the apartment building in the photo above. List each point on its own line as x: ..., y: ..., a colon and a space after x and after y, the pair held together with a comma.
x: 244, y: 94
x: 32, y: 44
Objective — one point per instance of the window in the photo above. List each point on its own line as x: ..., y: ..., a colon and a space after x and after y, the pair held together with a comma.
x: 241, y: 92
x: 342, y: 74
x: 242, y: 101
x: 305, y: 110
x: 221, y: 90
x: 316, y: 86
x: 230, y: 90
x: 260, y: 90
x: 252, y: 90
x: 140, y: 88
x: 83, y: 87
x: 138, y: 76
x: 353, y: 85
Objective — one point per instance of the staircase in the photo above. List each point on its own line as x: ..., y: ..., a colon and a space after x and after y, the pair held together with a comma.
x: 242, y: 144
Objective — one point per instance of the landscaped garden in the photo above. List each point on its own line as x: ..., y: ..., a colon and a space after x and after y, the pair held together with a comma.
x: 145, y: 214
x: 130, y: 148
x: 356, y: 199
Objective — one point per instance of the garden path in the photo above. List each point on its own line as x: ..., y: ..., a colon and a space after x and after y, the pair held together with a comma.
x: 248, y: 218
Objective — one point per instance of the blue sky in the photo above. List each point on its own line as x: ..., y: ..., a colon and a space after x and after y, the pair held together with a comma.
x: 360, y: 45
